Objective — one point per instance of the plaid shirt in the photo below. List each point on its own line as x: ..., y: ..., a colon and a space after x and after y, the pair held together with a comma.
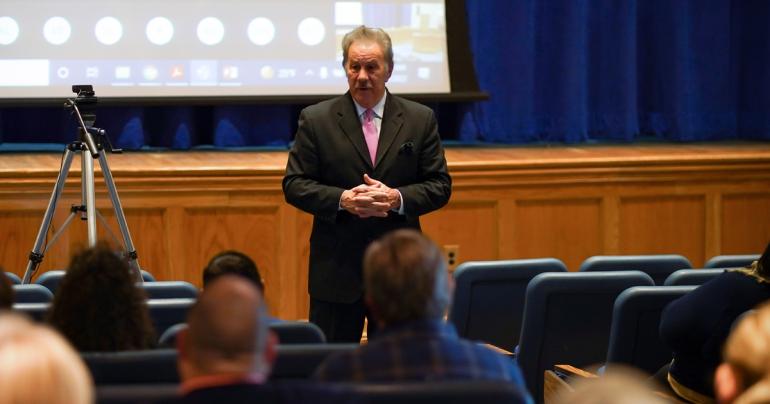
x: 420, y: 351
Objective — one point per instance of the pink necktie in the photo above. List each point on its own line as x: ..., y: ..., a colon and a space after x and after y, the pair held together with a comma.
x: 370, y: 133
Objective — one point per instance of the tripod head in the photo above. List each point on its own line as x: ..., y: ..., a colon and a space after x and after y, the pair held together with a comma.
x: 83, y: 109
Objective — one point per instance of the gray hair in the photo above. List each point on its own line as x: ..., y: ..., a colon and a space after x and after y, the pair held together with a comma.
x: 405, y: 277
x: 364, y: 33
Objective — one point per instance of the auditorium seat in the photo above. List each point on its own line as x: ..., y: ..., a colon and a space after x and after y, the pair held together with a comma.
x: 298, y: 332
x: 567, y: 319
x: 444, y: 392
x: 288, y: 332
x: 51, y: 279
x: 489, y: 298
x: 134, y: 394
x: 165, y: 313
x: 297, y: 361
x: 170, y: 290
x: 31, y: 293
x: 659, y: 267
x: 634, y: 337
x: 168, y: 338
x: 692, y: 276
x: 15, y: 280
x: 147, y: 276
x: 731, y: 261
x: 35, y: 311
x: 133, y: 367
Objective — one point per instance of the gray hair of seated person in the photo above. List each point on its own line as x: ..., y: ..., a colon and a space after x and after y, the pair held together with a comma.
x: 364, y: 33
x: 405, y: 278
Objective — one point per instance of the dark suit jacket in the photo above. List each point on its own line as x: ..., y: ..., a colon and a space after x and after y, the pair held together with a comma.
x: 330, y: 155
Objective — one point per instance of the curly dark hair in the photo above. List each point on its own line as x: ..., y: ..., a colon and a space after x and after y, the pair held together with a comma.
x: 98, y: 307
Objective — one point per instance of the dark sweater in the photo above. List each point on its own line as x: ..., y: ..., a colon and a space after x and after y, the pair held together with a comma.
x: 696, y: 326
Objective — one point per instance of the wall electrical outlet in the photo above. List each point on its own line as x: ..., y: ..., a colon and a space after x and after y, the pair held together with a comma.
x: 452, y: 255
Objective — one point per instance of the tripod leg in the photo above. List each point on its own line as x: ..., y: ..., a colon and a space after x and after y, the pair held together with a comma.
x: 36, y: 257
x: 90, y: 194
x: 113, y: 192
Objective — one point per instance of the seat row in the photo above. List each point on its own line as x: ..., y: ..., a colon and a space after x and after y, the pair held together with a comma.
x: 608, y: 312
x: 43, y: 292
x: 489, y: 295
x: 168, y: 314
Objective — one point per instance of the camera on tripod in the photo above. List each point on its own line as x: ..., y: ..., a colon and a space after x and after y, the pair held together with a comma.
x: 82, y: 109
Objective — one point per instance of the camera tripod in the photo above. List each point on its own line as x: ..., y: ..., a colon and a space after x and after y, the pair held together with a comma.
x: 89, y: 150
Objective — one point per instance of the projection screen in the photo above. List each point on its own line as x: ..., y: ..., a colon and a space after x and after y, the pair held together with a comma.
x: 210, y: 48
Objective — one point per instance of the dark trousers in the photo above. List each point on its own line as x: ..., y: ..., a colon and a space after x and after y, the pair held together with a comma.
x: 341, y: 322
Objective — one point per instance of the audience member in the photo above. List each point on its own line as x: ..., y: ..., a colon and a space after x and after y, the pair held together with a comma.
x: 98, y: 307
x: 696, y: 325
x: 6, y: 291
x: 226, y: 352
x: 236, y: 263
x: 408, y: 290
x: 233, y: 262
x: 620, y: 386
x: 744, y: 377
x: 38, y: 366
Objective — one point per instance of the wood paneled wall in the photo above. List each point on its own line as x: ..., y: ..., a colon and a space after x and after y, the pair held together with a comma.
x: 568, y: 203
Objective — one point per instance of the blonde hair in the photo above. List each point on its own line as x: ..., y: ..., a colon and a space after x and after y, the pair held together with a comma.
x: 37, y: 365
x: 748, y: 351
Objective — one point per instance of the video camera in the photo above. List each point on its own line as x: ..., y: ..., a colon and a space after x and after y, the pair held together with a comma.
x: 83, y: 109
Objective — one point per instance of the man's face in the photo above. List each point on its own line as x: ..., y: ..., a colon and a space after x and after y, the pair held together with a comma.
x: 367, y: 72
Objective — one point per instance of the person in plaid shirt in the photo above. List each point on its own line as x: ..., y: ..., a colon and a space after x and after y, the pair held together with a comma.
x: 408, y: 290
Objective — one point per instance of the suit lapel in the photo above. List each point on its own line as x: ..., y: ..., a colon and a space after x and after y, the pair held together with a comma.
x: 392, y: 121
x: 348, y: 121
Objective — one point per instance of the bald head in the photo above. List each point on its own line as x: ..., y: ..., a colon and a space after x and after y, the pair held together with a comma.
x: 226, y: 331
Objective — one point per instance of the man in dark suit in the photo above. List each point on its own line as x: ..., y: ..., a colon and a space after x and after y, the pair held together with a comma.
x: 362, y: 164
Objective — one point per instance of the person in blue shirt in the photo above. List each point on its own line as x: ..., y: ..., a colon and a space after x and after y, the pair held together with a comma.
x: 408, y: 291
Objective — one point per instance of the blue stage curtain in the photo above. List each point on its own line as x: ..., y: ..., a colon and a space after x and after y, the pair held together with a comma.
x: 598, y: 70
x: 557, y: 71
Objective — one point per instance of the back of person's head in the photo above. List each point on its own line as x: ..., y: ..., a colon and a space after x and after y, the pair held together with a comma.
x: 234, y: 263
x: 37, y: 365
x: 226, y: 332
x: 406, y: 278
x: 622, y: 385
x: 744, y: 377
x: 98, y: 307
x: 6, y: 291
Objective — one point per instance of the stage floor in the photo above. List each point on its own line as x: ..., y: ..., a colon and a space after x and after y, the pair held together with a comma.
x: 139, y: 163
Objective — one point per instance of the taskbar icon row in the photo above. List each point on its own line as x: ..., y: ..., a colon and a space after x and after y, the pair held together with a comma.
x: 194, y: 72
